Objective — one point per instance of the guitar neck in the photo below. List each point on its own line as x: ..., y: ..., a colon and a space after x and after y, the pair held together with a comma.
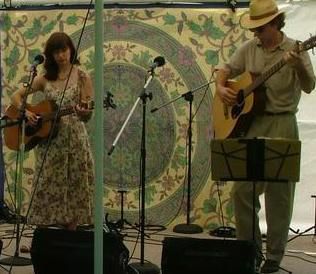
x: 62, y: 112
x: 276, y: 67
x: 263, y: 77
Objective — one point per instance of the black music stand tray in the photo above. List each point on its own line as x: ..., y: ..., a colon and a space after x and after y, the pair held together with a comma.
x: 255, y: 160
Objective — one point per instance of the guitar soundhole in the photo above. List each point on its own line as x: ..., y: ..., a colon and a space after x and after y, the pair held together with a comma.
x: 240, y: 98
x: 236, y: 110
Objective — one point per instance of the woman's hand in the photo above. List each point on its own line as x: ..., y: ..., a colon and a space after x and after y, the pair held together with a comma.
x: 84, y: 113
x: 31, y: 117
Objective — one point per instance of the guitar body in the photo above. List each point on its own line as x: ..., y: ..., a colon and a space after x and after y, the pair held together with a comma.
x: 234, y: 121
x: 33, y: 135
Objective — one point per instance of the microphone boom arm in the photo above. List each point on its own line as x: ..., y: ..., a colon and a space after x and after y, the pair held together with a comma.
x: 129, y: 115
x: 180, y: 96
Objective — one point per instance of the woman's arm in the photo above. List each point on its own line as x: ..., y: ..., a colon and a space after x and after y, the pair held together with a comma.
x: 18, y: 97
x: 86, y: 94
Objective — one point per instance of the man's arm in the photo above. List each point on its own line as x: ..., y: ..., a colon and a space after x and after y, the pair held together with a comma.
x: 304, y: 74
x: 227, y: 95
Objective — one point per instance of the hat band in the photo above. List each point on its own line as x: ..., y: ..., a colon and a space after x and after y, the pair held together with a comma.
x: 264, y: 15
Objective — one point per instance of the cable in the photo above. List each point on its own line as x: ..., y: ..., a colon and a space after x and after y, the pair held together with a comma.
x: 183, y: 190
x: 298, y: 257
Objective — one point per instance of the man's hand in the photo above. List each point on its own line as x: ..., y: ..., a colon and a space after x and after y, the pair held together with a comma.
x: 293, y: 59
x: 227, y: 95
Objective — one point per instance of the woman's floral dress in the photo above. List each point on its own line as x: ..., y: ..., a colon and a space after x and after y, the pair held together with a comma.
x: 64, y: 179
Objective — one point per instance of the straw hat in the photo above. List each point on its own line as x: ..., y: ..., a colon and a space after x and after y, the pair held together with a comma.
x: 261, y: 12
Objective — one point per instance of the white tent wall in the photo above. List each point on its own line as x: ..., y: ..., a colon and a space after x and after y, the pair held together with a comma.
x: 300, y: 24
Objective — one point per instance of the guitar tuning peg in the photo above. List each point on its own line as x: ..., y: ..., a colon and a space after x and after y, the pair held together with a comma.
x: 108, y: 101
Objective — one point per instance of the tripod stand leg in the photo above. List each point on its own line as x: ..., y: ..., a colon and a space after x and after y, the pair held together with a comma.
x: 294, y: 231
x: 16, y: 260
x: 300, y: 234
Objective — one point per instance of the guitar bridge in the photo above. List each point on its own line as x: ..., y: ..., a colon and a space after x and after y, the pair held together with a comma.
x: 226, y: 112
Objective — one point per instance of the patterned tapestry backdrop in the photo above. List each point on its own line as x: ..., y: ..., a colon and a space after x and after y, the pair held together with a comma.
x: 193, y: 42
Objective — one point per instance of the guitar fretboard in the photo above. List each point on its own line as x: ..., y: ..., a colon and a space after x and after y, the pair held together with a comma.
x: 263, y: 77
x: 306, y: 45
x: 62, y: 112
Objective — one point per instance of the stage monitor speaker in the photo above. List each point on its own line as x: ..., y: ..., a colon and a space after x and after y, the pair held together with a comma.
x: 71, y: 252
x: 207, y: 256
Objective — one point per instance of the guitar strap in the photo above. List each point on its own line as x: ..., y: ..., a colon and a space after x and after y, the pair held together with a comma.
x: 81, y: 76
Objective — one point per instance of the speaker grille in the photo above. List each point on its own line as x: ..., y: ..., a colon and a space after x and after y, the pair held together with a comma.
x: 207, y: 256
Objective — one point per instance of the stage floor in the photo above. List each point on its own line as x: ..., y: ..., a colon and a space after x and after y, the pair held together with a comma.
x: 300, y: 256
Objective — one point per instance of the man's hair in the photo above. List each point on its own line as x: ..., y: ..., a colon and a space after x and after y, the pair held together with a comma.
x: 279, y: 21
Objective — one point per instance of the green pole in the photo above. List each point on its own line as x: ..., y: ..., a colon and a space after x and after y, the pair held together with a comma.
x: 99, y: 139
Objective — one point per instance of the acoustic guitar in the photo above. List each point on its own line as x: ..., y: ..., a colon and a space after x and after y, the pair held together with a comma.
x: 47, y: 113
x: 234, y: 121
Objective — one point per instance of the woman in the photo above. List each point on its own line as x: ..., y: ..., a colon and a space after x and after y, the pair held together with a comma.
x: 63, y: 186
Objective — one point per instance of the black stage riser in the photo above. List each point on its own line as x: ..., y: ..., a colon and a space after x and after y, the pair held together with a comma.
x: 71, y: 252
x: 207, y: 256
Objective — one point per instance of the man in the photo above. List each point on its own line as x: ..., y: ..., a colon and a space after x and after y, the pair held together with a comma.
x: 283, y: 91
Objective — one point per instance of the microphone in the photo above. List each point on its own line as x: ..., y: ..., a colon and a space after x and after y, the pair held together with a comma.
x: 232, y: 4
x: 158, y: 62
x: 38, y: 59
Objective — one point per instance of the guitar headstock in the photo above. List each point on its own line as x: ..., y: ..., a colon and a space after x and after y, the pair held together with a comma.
x: 309, y: 43
x: 108, y: 101
x: 89, y: 105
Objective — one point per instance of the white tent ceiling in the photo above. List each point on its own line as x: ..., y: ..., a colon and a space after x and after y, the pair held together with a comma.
x: 14, y: 3
x: 36, y: 2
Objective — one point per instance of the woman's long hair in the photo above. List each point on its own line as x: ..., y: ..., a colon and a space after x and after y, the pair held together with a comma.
x: 57, y: 41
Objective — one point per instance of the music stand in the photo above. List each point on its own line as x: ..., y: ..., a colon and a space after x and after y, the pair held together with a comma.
x: 308, y: 229
x: 255, y: 160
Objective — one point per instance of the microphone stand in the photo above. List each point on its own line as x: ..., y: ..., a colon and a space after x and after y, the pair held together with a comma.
x: 16, y: 260
x: 188, y: 227
x: 142, y: 266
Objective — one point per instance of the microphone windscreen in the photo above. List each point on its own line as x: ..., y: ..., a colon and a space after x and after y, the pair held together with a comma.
x: 39, y: 59
x: 160, y: 61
